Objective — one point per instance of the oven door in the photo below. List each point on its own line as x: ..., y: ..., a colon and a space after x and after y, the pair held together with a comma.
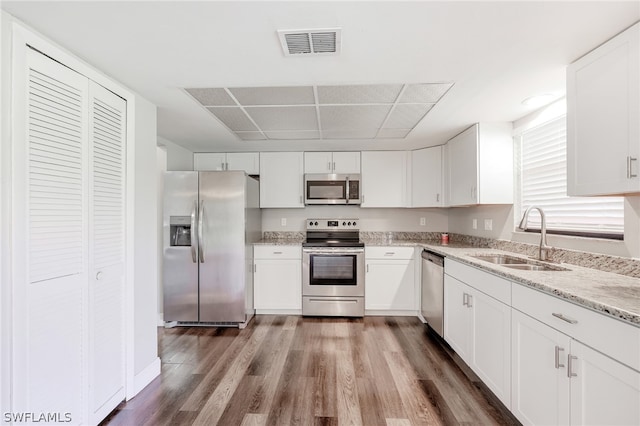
x: 332, y: 271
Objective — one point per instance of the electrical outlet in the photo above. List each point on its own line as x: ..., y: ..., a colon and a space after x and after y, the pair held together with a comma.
x: 283, y: 221
x: 474, y: 224
x: 488, y: 225
x: 423, y: 221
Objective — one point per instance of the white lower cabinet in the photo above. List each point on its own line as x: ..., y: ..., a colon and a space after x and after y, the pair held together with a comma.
x: 277, y: 279
x: 477, y: 327
x: 558, y: 380
x: 390, y: 283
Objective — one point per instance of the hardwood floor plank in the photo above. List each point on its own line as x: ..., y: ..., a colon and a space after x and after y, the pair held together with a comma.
x: 252, y: 419
x: 238, y: 407
x: 370, y: 405
x: 398, y: 422
x: 419, y: 408
x: 281, y: 410
x: 347, y: 396
x: 213, y: 408
x: 325, y: 392
x: 302, y: 410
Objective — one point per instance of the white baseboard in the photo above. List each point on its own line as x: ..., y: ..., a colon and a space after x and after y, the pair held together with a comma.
x: 146, y: 376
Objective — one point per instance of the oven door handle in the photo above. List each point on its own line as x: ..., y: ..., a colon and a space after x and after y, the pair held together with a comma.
x: 342, y: 250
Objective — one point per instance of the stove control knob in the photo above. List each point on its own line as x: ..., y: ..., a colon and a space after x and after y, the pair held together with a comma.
x: 316, y: 224
x: 344, y: 223
x: 354, y: 224
x: 310, y: 223
x: 349, y: 223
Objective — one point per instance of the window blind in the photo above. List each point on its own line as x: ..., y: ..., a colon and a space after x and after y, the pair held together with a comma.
x: 543, y: 175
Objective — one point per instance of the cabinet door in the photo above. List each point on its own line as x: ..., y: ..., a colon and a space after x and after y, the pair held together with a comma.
x: 248, y: 162
x: 318, y: 162
x: 457, y: 317
x: 277, y: 284
x: 603, y: 391
x: 384, y: 179
x: 390, y: 285
x: 603, y: 118
x: 281, y: 179
x: 462, y: 168
x: 208, y: 161
x: 540, y: 389
x: 346, y: 162
x: 491, y: 337
x: 426, y: 177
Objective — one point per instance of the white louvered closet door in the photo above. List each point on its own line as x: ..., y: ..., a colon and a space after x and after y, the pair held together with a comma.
x: 107, y: 135
x: 51, y: 240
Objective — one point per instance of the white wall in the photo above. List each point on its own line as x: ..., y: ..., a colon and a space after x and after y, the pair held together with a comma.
x: 5, y: 223
x: 398, y: 220
x: 504, y: 224
x: 146, y: 237
x: 178, y: 158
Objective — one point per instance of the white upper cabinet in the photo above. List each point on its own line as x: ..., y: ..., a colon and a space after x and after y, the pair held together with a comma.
x: 384, y: 178
x: 426, y: 177
x: 332, y: 162
x: 212, y: 161
x: 281, y: 180
x: 479, y: 166
x: 603, y: 118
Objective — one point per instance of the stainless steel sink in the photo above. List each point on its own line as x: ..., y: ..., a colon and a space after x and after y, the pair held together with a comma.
x: 517, y: 263
x: 501, y: 259
x: 535, y: 267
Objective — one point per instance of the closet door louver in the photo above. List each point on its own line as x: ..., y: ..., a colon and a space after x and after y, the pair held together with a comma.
x: 49, y: 359
x: 107, y: 130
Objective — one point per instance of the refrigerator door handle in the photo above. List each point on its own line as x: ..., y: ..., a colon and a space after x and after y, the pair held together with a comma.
x: 194, y: 212
x: 200, y: 220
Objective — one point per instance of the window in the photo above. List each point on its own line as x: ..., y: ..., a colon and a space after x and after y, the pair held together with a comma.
x: 542, y: 178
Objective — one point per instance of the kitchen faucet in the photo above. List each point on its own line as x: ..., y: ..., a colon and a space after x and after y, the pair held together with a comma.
x: 542, y: 254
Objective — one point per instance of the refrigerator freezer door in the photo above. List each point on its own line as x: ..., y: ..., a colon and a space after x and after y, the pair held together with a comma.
x: 180, y: 267
x: 222, y: 267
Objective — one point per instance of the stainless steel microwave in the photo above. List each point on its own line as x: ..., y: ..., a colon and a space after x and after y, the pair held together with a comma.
x: 332, y: 188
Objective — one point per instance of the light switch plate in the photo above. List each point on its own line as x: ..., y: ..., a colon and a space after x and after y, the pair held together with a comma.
x: 423, y: 221
x: 283, y: 221
x: 488, y: 224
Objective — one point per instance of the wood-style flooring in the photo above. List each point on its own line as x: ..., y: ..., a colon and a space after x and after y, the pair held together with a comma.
x: 290, y: 370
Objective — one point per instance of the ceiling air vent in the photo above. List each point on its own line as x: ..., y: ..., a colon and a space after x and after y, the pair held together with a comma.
x: 310, y: 42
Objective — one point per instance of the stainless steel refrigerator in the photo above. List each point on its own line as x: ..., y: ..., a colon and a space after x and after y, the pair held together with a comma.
x: 211, y: 220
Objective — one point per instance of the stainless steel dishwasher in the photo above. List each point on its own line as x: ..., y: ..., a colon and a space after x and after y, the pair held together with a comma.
x: 433, y: 290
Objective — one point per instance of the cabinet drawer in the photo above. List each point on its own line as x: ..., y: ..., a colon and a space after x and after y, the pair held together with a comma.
x: 389, y: 252
x: 492, y: 285
x: 277, y: 252
x: 612, y: 337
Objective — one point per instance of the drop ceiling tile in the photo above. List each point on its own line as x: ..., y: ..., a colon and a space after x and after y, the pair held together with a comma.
x: 392, y: 133
x: 348, y: 117
x: 424, y: 92
x: 284, y: 118
x: 350, y: 134
x: 211, y: 97
x: 406, y: 116
x: 295, y: 95
x: 293, y: 135
x: 359, y: 94
x: 233, y: 117
x: 251, y: 136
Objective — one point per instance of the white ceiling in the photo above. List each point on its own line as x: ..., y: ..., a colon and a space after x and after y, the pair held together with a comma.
x: 495, y: 53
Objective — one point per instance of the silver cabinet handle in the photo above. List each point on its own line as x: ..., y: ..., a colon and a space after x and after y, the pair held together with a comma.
x: 563, y: 318
x: 630, y: 173
x: 194, y: 237
x: 469, y: 301
x: 329, y: 165
x: 99, y: 276
x: 277, y: 252
x: 255, y: 268
x: 367, y: 268
x: 437, y: 198
x: 200, y: 222
x: 570, y: 360
x: 333, y: 166
x: 465, y: 299
x: 557, y: 363
x: 390, y: 253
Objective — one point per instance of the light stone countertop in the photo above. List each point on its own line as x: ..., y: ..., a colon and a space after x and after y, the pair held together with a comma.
x: 608, y: 293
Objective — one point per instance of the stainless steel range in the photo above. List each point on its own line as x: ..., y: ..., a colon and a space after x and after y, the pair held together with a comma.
x: 333, y: 269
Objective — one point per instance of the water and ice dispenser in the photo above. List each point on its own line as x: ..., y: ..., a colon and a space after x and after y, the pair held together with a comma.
x: 180, y: 230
